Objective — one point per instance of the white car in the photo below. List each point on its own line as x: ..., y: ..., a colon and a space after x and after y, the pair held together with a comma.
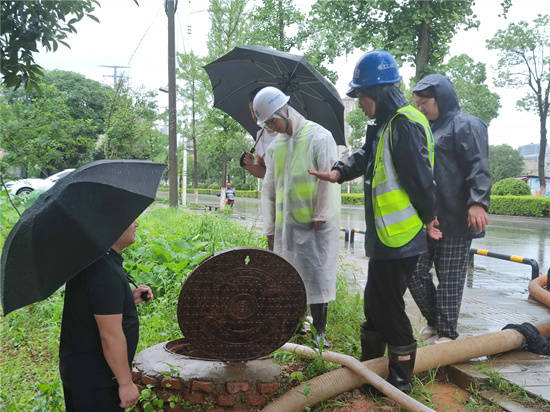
x: 25, y: 186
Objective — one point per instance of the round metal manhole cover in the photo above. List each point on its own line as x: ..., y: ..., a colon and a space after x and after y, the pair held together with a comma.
x: 241, y: 304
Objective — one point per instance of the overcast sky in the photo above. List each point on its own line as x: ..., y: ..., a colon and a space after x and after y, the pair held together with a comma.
x: 137, y: 37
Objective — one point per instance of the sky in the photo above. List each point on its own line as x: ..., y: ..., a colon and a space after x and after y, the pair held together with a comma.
x: 133, y: 36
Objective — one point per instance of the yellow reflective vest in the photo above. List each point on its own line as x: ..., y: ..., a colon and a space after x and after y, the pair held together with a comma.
x: 396, y: 220
x: 303, y: 190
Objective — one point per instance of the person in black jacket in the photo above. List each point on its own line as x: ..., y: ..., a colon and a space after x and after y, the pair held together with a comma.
x: 461, y: 173
x: 399, y: 200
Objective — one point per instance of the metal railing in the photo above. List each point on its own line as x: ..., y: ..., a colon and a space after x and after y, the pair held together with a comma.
x: 352, y: 235
x: 346, y: 234
x: 512, y: 258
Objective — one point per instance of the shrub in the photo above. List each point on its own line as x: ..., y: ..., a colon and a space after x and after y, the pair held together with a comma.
x: 352, y: 198
x: 520, y: 206
x: 510, y: 186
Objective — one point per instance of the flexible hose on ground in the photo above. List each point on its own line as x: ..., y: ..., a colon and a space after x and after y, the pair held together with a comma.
x: 360, y: 369
x: 341, y: 380
x: 537, y: 290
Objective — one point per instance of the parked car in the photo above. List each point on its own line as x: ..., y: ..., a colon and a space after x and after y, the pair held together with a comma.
x: 23, y: 187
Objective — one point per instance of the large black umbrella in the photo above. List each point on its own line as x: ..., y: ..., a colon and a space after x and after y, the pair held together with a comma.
x: 72, y: 225
x: 245, y: 68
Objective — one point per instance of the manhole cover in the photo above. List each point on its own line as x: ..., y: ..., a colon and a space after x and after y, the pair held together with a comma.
x: 241, y: 304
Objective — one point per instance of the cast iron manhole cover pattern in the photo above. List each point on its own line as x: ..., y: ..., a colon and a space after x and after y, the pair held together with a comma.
x: 241, y: 304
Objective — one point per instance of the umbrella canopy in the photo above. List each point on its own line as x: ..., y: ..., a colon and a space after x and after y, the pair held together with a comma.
x: 72, y: 225
x: 245, y: 68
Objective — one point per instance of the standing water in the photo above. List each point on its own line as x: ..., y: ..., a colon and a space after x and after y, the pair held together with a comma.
x: 509, y: 235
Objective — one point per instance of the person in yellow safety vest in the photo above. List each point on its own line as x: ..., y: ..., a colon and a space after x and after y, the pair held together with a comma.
x: 400, y: 207
x: 301, y: 213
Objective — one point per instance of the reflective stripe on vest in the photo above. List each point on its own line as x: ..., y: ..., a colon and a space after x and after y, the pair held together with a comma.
x: 395, y: 218
x: 304, y: 186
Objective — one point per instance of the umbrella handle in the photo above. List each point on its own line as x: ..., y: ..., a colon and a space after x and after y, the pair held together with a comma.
x: 241, y: 161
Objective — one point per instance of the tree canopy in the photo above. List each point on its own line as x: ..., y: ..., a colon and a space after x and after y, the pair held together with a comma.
x: 26, y: 25
x: 419, y: 32
x: 504, y: 161
x: 524, y: 61
x: 469, y: 80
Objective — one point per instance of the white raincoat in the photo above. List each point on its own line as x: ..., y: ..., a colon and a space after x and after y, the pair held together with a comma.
x: 312, y: 252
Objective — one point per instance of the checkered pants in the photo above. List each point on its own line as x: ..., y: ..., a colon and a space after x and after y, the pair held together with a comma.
x: 441, y: 305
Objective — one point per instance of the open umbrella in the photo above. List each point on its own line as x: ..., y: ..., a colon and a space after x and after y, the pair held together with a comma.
x: 72, y: 225
x: 245, y: 68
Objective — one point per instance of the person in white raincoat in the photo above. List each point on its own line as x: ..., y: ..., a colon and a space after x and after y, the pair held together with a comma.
x: 299, y: 210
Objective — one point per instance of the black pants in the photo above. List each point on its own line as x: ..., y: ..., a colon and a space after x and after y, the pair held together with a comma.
x: 86, y: 398
x: 384, y: 306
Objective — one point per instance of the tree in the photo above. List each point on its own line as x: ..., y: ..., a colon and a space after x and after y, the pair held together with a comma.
x: 469, y: 79
x: 270, y: 21
x: 504, y: 161
x: 194, y: 97
x: 86, y: 98
x: 414, y: 31
x: 129, y: 129
x: 38, y: 133
x: 228, y: 29
x: 358, y: 123
x: 524, y: 60
x: 27, y: 24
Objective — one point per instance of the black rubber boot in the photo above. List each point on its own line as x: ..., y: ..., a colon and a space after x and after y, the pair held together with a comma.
x: 372, y: 344
x: 401, y: 366
x: 372, y: 347
x: 319, y: 313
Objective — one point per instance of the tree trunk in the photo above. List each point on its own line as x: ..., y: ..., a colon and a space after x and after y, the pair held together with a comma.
x: 281, y: 27
x: 195, y: 164
x: 542, y: 155
x: 224, y: 171
x: 423, y: 53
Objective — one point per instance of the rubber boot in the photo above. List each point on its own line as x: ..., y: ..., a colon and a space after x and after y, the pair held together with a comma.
x: 372, y: 347
x: 401, y: 366
x: 319, y: 314
x: 372, y: 344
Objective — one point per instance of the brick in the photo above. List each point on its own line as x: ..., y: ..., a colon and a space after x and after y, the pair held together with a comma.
x: 255, y: 400
x: 136, y: 375
x: 234, y: 387
x: 202, y: 386
x: 171, y: 383
x: 225, y: 400
x: 149, y: 380
x: 194, y: 397
x: 266, y: 388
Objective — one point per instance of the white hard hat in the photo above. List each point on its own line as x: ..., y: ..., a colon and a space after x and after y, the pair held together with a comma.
x: 267, y: 102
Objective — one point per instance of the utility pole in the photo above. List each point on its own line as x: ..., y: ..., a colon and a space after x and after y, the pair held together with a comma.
x: 169, y: 7
x: 115, y: 75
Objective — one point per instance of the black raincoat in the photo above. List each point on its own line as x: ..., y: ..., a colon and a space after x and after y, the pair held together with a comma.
x: 411, y: 162
x: 461, y: 166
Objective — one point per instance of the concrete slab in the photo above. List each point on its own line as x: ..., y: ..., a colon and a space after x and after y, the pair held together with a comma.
x: 156, y: 361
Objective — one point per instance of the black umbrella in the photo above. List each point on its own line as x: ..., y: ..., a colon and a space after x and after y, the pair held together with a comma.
x: 72, y: 225
x: 245, y: 68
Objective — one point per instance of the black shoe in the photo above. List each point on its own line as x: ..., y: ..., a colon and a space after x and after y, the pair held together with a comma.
x: 321, y: 338
x: 401, y: 366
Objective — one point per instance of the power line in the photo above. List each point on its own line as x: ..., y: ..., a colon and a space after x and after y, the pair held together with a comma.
x: 115, y: 74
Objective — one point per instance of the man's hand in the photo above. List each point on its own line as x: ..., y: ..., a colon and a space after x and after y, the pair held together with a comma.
x: 141, y: 292
x: 318, y: 224
x: 332, y: 176
x: 477, y: 217
x: 432, y: 230
x: 128, y: 394
x: 248, y: 159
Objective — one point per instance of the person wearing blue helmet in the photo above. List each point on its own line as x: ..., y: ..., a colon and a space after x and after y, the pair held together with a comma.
x: 400, y: 207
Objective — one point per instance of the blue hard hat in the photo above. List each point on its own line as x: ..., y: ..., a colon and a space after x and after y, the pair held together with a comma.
x: 373, y: 68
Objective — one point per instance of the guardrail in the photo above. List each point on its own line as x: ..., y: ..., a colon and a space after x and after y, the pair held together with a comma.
x: 346, y: 234
x: 512, y: 258
x: 352, y: 235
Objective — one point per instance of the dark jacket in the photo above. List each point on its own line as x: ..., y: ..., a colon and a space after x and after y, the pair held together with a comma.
x: 410, y: 159
x: 461, y: 167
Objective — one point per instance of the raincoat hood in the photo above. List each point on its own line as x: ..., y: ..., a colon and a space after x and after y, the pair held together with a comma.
x: 445, y: 95
x: 388, y: 99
